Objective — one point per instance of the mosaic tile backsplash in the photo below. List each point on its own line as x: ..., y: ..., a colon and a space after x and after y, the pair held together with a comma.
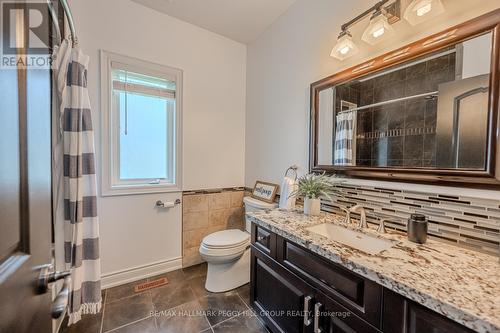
x: 468, y: 222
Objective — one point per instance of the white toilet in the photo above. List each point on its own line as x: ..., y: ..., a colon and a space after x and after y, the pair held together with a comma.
x: 227, y: 253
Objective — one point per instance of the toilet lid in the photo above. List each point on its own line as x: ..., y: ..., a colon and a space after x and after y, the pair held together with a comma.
x: 259, y: 203
x: 226, y: 238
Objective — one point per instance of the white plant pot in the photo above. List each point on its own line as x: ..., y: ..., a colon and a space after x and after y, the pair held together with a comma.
x: 312, y: 207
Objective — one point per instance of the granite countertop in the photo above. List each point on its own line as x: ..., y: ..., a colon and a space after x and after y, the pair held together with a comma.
x: 462, y: 285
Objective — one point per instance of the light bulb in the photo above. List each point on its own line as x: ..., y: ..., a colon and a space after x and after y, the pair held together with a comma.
x: 424, y: 10
x: 379, y: 32
x: 344, y: 50
x: 379, y: 26
x: 344, y: 47
x: 419, y: 11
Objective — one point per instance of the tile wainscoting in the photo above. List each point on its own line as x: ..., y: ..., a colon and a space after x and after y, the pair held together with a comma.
x: 205, y: 212
x: 472, y: 223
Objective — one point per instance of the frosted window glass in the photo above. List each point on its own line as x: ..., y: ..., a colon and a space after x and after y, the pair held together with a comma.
x: 143, y: 136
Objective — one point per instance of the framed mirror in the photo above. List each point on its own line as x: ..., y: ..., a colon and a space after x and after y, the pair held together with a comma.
x: 427, y: 112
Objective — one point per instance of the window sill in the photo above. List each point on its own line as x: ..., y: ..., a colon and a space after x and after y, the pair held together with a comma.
x: 139, y: 189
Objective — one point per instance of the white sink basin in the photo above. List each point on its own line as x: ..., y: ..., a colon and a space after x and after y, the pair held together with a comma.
x: 366, y: 243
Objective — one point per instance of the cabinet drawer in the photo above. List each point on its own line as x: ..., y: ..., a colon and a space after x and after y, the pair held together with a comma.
x: 264, y: 240
x: 360, y: 295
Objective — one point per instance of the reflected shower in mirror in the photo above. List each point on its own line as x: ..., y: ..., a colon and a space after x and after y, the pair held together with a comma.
x: 429, y: 112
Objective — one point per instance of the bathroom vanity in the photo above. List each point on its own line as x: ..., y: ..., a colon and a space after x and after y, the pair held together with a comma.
x: 303, y: 281
x: 427, y: 112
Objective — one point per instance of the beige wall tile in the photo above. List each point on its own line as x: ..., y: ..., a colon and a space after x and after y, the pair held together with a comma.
x: 236, y: 218
x: 216, y: 228
x: 195, y: 203
x: 230, y: 218
x: 219, y: 200
x: 204, y: 214
x: 191, y: 257
x: 193, y: 238
x: 194, y: 220
x: 237, y: 199
x: 218, y: 217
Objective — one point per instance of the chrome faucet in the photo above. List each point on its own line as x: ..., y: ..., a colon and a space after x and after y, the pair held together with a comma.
x: 361, y: 211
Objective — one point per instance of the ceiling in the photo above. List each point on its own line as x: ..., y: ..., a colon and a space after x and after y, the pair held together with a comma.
x: 240, y: 20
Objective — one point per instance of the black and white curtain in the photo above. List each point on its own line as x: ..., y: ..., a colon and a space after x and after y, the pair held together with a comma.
x: 345, y: 138
x: 74, y: 182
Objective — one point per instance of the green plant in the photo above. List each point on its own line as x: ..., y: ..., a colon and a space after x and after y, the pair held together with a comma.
x: 314, y: 185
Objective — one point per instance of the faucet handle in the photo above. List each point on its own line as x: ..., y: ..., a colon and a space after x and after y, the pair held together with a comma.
x: 356, y: 208
x: 381, y: 226
x: 347, y: 218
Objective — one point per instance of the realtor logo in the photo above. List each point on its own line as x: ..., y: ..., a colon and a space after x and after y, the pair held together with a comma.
x: 25, y: 35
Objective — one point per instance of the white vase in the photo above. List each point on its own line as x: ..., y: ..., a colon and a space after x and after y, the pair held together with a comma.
x: 312, y: 207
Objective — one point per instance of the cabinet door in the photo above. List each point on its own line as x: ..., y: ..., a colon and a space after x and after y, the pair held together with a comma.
x: 279, y: 297
x: 404, y: 316
x: 331, y: 317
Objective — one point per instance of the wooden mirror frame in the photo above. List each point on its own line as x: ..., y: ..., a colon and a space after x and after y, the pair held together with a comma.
x: 490, y: 177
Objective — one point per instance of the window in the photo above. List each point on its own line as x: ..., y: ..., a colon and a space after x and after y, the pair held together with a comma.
x: 141, y: 117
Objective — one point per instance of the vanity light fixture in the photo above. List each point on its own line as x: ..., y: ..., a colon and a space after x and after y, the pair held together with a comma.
x: 419, y: 11
x: 382, y: 14
x: 345, y: 46
x: 378, y: 29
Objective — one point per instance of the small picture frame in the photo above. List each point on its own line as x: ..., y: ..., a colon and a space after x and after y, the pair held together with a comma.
x: 265, y: 191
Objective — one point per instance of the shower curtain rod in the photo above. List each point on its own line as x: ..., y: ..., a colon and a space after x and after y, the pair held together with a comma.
x: 69, y: 17
x: 432, y: 94
x: 71, y: 24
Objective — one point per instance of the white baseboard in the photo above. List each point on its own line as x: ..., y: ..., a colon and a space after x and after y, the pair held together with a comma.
x: 117, y: 278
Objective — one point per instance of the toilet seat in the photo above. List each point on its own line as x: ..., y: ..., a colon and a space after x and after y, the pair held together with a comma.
x: 226, y: 239
x: 225, y: 245
x: 231, y: 252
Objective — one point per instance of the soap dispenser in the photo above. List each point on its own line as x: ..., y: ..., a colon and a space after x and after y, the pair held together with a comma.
x: 417, y: 228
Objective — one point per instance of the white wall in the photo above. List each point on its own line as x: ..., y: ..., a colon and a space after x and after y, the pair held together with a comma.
x: 293, y: 53
x: 132, y: 233
x: 476, y: 56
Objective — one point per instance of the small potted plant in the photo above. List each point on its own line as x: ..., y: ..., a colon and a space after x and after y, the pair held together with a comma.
x: 312, y: 187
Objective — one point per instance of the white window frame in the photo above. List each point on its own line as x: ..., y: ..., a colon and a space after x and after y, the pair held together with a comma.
x: 110, y: 183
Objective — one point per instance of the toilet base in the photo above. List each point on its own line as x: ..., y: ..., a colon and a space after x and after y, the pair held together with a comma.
x: 227, y: 276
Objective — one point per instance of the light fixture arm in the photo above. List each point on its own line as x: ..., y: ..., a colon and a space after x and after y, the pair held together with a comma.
x: 376, y: 7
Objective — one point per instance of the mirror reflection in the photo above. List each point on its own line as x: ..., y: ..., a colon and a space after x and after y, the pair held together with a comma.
x: 430, y: 112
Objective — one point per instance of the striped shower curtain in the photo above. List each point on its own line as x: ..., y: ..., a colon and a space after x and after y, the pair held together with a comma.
x: 74, y: 182
x: 345, y: 138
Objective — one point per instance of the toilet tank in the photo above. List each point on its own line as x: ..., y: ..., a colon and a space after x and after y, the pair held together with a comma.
x: 253, y: 205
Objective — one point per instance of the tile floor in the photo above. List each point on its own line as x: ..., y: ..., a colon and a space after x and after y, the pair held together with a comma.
x: 183, y: 305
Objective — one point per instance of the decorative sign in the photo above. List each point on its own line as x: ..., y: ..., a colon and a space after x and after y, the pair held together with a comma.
x: 265, y: 191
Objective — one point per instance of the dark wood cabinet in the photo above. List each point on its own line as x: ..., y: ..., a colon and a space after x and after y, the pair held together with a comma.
x: 279, y: 297
x: 264, y: 240
x: 404, y: 316
x: 356, y: 293
x: 296, y: 291
x: 335, y: 318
